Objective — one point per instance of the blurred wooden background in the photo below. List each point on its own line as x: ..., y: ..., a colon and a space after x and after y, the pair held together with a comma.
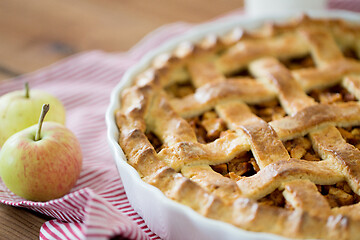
x: 36, y: 33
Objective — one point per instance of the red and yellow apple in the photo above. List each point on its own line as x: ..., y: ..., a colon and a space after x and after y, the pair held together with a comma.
x: 21, y: 109
x: 42, y: 162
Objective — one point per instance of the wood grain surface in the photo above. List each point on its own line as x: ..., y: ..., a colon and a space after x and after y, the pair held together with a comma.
x: 36, y: 33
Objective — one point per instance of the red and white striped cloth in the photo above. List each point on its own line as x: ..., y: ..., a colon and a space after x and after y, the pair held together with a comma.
x: 350, y: 5
x: 97, y: 207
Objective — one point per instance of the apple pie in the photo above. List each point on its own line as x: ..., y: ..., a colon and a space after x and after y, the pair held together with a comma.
x: 259, y: 129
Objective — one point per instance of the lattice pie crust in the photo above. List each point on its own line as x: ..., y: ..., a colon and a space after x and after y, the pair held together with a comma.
x: 257, y: 129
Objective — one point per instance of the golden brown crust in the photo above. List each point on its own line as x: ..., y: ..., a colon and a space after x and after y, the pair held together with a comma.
x: 304, y: 195
x: 331, y: 74
x: 330, y: 145
x: 265, y: 145
x: 352, y: 84
x: 289, y: 91
x: 221, y: 150
x: 211, y: 94
x: 315, y: 117
x: 225, y: 188
x: 274, y: 175
x: 323, y: 46
x: 181, y: 169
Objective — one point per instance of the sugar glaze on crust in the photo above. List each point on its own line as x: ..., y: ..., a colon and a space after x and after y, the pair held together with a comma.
x: 181, y: 169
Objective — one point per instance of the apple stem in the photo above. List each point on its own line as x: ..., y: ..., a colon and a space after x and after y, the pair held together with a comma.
x: 45, y: 109
x: 27, y: 95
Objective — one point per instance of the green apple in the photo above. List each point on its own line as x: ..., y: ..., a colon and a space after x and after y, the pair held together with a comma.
x: 21, y: 109
x: 41, y: 162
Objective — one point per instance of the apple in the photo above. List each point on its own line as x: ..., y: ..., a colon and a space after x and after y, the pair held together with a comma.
x: 41, y: 162
x: 21, y: 109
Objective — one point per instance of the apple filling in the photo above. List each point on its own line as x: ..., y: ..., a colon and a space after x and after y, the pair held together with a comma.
x: 332, y: 95
x: 275, y: 199
x: 339, y: 195
x: 242, y: 165
x: 299, y: 63
x: 301, y: 148
x: 244, y: 72
x: 269, y: 110
x: 155, y: 141
x: 351, y: 53
x: 351, y: 135
x: 208, y: 126
x: 180, y: 90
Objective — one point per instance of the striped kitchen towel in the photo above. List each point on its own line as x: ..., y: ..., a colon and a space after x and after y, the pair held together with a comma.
x: 97, y: 207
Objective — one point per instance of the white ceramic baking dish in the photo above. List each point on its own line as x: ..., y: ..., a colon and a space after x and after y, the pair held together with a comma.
x: 167, y: 218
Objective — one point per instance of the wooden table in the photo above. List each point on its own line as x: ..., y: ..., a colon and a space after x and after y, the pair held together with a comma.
x: 36, y: 33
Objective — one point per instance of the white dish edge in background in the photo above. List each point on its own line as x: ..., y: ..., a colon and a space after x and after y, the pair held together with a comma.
x: 165, y: 217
